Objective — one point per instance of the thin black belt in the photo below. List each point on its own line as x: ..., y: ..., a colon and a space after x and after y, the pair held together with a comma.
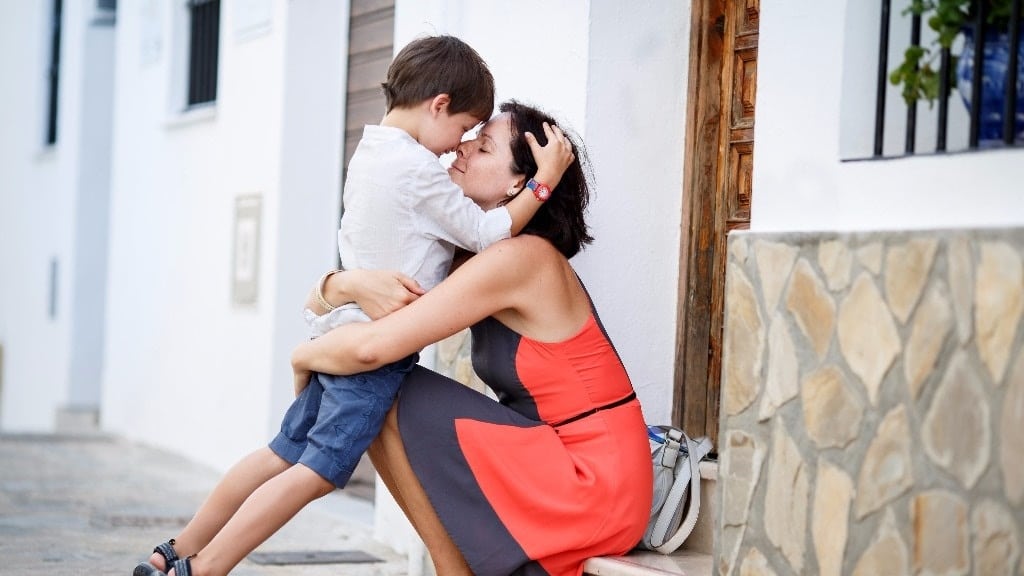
x: 617, y: 403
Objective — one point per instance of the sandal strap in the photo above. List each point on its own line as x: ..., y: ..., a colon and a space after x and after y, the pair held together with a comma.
x: 166, y: 550
x: 182, y: 567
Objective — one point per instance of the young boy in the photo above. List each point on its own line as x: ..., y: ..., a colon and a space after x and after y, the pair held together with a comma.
x: 402, y: 212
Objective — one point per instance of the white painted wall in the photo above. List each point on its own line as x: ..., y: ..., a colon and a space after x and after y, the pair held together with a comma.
x: 184, y: 367
x: 52, y: 210
x: 803, y: 104
x: 615, y: 72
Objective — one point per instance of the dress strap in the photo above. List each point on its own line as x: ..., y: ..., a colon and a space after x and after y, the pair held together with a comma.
x: 628, y: 398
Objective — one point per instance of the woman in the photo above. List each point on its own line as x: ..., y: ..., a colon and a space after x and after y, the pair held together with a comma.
x: 559, y: 470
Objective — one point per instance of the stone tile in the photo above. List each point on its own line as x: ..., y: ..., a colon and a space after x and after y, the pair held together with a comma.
x: 755, y: 564
x: 1011, y: 431
x: 938, y: 520
x: 744, y: 344
x: 781, y: 384
x: 906, y: 271
x: 785, y: 500
x: 887, y: 553
x: 832, y: 411
x: 732, y: 537
x: 870, y: 257
x: 887, y: 470
x: 812, y: 306
x: 998, y: 304
x: 448, y: 349
x: 464, y: 374
x: 831, y: 517
x: 836, y: 262
x: 955, y: 431
x: 739, y: 475
x: 932, y: 323
x: 738, y: 248
x: 996, y: 538
x: 774, y: 262
x: 961, y: 284
x: 867, y: 334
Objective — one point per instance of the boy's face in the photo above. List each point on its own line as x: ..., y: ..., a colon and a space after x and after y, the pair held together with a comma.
x: 446, y: 131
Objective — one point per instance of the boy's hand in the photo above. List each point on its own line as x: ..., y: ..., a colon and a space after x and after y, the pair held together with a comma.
x: 554, y: 157
x: 381, y: 292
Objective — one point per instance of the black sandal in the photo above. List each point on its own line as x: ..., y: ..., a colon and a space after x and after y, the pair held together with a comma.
x: 165, y: 549
x: 181, y: 567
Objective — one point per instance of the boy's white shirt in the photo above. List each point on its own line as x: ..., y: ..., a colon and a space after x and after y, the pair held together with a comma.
x: 403, y: 212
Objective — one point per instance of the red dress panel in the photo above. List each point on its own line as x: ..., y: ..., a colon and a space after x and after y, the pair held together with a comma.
x: 520, y: 491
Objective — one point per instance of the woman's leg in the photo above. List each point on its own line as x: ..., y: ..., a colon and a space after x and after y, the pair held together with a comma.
x: 240, y: 481
x: 389, y: 458
x: 269, y: 507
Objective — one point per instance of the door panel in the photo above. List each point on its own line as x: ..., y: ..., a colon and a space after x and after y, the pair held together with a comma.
x: 717, y: 195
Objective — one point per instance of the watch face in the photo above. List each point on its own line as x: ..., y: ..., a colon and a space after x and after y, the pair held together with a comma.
x: 543, y: 192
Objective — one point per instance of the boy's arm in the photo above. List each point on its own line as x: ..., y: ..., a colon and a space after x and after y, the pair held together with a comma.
x: 552, y: 161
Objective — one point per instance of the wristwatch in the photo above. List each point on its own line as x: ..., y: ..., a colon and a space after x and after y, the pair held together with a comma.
x: 541, y: 191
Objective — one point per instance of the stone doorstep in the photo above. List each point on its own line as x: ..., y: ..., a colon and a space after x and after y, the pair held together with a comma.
x: 694, y: 558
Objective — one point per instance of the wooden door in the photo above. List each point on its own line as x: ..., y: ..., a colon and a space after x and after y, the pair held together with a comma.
x: 371, y: 39
x: 717, y: 188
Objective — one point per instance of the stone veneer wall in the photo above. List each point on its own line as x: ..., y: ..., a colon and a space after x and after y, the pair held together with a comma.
x: 873, y: 404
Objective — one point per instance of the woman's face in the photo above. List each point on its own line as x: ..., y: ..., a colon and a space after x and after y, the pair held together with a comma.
x: 483, y: 166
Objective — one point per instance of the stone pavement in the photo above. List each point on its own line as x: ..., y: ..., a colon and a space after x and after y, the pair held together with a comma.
x: 96, y: 504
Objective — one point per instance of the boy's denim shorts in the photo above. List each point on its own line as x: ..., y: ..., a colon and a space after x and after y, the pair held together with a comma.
x: 333, y: 421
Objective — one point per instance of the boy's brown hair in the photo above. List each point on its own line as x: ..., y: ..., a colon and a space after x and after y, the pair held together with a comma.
x: 436, y: 65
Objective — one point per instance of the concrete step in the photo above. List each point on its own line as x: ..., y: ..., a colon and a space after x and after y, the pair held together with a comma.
x: 694, y: 558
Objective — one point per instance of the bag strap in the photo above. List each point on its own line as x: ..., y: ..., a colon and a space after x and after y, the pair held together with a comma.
x: 696, y: 451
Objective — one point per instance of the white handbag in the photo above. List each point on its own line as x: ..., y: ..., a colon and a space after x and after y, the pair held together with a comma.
x: 675, y: 457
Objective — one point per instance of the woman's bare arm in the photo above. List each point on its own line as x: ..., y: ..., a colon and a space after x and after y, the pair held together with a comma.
x: 488, y: 283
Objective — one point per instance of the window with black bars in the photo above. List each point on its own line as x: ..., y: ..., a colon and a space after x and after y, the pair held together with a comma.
x: 53, y: 74
x: 203, y: 48
x: 985, y: 71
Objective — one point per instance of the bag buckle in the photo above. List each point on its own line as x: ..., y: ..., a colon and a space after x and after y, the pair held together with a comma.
x: 673, y: 444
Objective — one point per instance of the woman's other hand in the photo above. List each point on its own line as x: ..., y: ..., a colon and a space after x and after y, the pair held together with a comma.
x: 301, y: 379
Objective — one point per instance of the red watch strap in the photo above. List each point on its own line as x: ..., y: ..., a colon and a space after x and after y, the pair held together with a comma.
x: 541, y: 191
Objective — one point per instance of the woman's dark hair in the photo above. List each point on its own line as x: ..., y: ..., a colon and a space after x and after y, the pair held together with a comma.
x: 561, y: 219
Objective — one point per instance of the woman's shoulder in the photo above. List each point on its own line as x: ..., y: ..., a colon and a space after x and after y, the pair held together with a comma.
x: 515, y: 258
x: 523, y: 247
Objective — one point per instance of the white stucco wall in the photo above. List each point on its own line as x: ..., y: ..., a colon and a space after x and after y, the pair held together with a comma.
x: 52, y: 206
x: 799, y: 181
x: 617, y: 74
x: 185, y: 368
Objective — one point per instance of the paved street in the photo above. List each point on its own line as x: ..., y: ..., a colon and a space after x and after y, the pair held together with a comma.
x: 95, y: 504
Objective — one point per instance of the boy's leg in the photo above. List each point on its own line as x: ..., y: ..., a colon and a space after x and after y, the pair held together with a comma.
x: 241, y: 480
x: 352, y: 411
x: 249, y: 474
x: 269, y: 507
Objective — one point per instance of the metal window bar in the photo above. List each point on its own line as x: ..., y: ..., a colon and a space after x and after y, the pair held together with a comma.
x: 980, y: 14
x: 911, y: 135
x: 53, y: 74
x: 1010, y: 101
x: 945, y: 61
x: 883, y: 66
x: 203, y: 51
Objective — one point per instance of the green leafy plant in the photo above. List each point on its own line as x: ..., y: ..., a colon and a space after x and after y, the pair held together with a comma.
x: 918, y: 73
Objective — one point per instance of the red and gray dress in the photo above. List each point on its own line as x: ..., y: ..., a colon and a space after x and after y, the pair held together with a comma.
x: 555, y: 472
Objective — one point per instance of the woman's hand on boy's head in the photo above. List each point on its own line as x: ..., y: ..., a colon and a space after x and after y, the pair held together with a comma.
x: 554, y: 157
